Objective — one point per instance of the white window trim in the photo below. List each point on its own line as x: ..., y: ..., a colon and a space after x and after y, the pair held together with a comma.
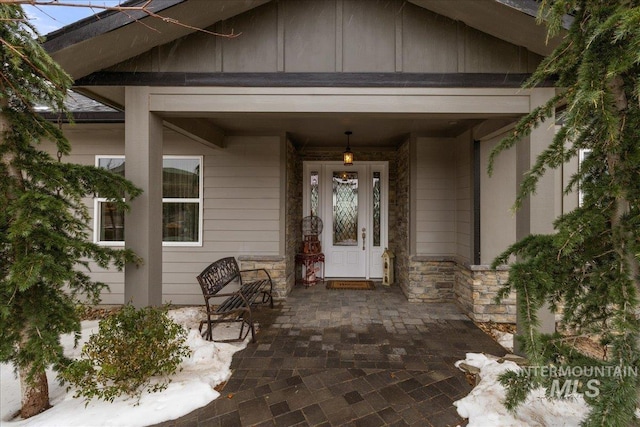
x: 582, y: 155
x: 199, y: 200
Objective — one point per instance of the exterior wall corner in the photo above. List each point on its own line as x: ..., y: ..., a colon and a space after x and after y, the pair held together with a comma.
x: 475, y: 291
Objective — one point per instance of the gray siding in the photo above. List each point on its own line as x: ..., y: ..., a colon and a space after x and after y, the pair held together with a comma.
x: 497, y: 194
x: 341, y: 36
x: 241, y: 205
x: 315, y: 52
x: 368, y: 35
x: 430, y: 41
x: 256, y: 49
x: 464, y: 192
x: 436, y: 203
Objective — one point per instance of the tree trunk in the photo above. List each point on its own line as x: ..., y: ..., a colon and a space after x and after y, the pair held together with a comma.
x: 35, y: 394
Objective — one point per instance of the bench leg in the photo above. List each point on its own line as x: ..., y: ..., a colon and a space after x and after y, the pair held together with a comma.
x: 267, y: 297
x: 208, y: 334
x: 250, y: 327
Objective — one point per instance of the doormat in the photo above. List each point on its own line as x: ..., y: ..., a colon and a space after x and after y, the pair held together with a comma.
x: 351, y: 284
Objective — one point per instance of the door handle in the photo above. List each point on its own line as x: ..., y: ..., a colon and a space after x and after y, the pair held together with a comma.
x: 364, y: 236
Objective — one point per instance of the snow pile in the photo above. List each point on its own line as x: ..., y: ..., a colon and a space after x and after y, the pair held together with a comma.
x: 189, y: 389
x: 484, y: 405
x: 505, y: 339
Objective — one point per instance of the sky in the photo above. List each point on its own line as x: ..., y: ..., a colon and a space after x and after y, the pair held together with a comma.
x: 52, y: 17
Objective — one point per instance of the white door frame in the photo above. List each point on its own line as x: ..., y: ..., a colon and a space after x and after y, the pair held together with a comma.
x: 373, y: 261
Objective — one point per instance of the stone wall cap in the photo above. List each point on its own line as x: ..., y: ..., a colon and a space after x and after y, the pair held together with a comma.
x: 264, y: 258
x: 485, y: 267
x: 429, y: 258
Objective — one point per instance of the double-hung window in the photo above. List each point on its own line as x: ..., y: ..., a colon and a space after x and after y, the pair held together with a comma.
x: 181, y: 203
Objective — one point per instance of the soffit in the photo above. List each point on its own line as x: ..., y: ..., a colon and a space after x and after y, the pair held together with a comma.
x: 109, y: 38
x: 510, y: 20
x: 371, y: 132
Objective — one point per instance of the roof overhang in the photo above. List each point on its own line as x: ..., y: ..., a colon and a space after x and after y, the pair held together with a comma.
x: 510, y: 20
x: 105, y: 39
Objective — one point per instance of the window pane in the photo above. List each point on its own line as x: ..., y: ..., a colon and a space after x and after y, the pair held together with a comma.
x: 345, y: 208
x: 315, y: 193
x: 181, y: 178
x: 115, y: 165
x: 376, y: 209
x: 111, y: 222
x: 180, y: 222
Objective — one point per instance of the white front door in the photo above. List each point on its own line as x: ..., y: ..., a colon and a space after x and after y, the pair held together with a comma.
x: 352, y: 203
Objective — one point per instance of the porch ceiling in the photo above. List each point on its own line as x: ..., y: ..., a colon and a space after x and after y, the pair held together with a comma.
x: 326, y: 131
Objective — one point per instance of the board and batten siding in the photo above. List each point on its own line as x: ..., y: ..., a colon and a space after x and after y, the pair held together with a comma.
x: 241, y: 211
x: 338, y: 36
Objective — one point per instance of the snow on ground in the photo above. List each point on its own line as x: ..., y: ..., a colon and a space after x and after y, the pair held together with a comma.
x: 189, y: 389
x: 505, y: 339
x: 483, y: 405
x: 208, y: 366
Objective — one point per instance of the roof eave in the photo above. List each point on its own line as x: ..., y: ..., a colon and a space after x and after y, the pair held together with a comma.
x: 510, y: 20
x: 101, y: 23
x: 86, y: 46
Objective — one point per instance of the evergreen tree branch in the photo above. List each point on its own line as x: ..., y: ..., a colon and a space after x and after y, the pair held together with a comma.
x: 591, y: 264
x: 44, y: 221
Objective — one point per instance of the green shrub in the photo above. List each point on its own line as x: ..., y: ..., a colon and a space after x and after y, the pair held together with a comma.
x: 130, y: 348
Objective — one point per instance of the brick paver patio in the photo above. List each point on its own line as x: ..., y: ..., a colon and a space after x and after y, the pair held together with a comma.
x: 348, y: 358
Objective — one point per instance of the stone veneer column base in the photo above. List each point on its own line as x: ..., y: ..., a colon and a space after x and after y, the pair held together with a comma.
x: 473, y: 288
x: 275, y: 265
x: 476, y: 287
x: 430, y: 279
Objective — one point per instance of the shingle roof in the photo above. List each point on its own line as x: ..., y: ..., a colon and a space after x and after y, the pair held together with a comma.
x: 83, y: 110
x: 76, y: 102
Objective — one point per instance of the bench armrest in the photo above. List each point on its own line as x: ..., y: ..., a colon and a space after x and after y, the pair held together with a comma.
x: 257, y: 270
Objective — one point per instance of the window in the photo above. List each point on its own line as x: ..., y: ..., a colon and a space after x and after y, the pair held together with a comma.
x: 181, y: 203
x: 109, y: 221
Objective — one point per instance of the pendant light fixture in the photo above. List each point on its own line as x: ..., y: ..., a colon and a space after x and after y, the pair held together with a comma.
x: 347, y: 156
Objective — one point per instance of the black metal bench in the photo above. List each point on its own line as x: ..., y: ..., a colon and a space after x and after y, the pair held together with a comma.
x: 253, y: 287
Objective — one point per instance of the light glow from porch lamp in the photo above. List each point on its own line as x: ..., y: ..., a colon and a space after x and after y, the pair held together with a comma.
x: 347, y: 156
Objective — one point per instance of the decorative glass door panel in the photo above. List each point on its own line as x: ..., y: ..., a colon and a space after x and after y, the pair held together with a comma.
x: 345, y: 208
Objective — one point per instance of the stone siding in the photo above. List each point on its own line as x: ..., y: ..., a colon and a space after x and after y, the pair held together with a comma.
x: 402, y: 209
x: 275, y: 265
x: 430, y: 279
x: 293, y: 235
x: 476, y: 288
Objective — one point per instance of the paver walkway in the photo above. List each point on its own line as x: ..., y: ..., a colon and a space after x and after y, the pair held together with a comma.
x: 348, y: 358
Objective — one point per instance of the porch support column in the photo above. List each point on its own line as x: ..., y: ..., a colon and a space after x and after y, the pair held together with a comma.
x: 538, y: 211
x: 143, y: 234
